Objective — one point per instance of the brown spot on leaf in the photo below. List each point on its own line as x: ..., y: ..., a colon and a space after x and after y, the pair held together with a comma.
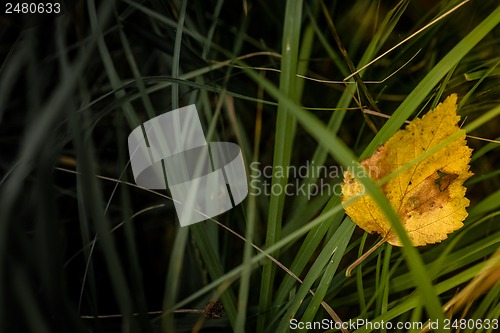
x: 444, y: 180
x: 423, y: 197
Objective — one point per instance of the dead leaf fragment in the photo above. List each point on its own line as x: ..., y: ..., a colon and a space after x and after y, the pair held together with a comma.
x: 429, y: 196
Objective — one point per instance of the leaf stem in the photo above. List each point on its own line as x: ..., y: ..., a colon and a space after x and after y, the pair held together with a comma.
x: 363, y: 257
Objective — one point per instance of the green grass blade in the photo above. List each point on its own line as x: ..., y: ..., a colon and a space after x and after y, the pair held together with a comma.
x: 341, y: 240
x: 285, y: 131
x: 418, y: 95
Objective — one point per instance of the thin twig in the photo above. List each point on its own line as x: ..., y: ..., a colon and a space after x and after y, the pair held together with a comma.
x: 408, y: 38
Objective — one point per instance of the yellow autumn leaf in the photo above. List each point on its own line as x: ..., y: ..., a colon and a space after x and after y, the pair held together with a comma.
x: 429, y: 197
